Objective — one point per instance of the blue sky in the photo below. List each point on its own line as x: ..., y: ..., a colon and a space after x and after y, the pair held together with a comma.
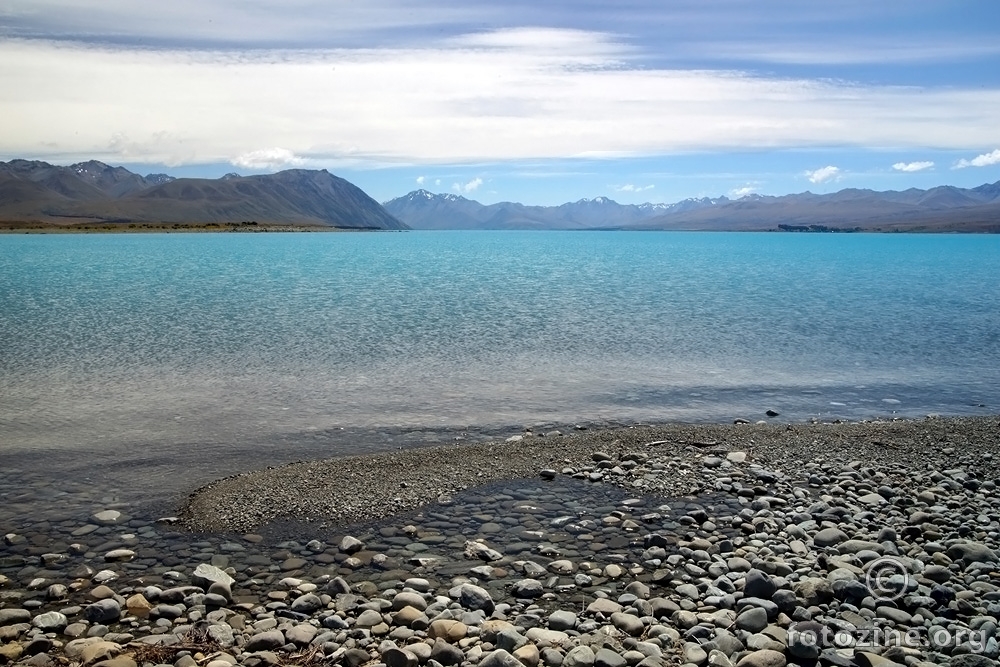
x: 538, y: 102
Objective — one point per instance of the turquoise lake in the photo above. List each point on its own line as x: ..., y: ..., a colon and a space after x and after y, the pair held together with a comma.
x: 185, y: 348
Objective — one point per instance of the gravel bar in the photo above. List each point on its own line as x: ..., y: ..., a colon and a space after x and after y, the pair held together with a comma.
x: 360, y: 488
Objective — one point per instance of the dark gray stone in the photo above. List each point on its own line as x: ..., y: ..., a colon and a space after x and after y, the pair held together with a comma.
x: 759, y: 585
x: 446, y: 654
x: 607, y: 658
x: 265, y: 641
x: 103, y: 611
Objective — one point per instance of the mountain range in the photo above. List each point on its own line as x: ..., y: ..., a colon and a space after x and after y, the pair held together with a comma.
x: 424, y: 210
x: 93, y: 192
x: 944, y: 208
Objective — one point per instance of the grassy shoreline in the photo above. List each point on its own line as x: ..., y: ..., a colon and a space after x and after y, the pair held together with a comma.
x: 160, y: 228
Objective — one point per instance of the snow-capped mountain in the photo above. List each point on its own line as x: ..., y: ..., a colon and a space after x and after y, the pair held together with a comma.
x: 942, y: 208
x: 421, y: 209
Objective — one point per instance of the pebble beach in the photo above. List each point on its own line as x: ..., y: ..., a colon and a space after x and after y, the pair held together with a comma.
x: 870, y: 543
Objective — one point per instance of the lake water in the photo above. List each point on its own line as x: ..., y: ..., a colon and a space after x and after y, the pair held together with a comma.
x: 215, y: 352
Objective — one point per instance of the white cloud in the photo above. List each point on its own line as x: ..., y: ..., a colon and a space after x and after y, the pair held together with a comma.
x: 849, y: 52
x: 912, y: 166
x: 628, y: 187
x: 492, y: 97
x: 420, y: 180
x: 984, y: 160
x: 268, y: 158
x: 824, y: 174
x: 437, y: 182
x: 737, y: 193
x: 230, y: 21
x: 471, y: 186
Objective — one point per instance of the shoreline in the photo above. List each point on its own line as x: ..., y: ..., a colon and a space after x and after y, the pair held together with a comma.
x: 169, y: 228
x: 409, y: 478
x: 251, y: 228
x: 743, y: 545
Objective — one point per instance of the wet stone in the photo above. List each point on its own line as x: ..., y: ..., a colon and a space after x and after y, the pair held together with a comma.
x: 608, y: 563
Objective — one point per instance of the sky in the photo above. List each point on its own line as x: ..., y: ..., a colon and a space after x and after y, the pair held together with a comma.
x: 536, y: 102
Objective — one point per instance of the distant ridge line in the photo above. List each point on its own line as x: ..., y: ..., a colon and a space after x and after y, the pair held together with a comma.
x: 939, y: 209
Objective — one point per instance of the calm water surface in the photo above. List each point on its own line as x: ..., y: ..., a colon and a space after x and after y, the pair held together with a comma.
x: 221, y: 351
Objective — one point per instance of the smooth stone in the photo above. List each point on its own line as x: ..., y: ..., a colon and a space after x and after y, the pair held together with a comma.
x: 291, y: 564
x: 490, y: 628
x: 627, y: 623
x: 972, y: 552
x: 107, y: 517
x: 446, y: 654
x: 764, y: 658
x: 528, y: 655
x: 119, y: 555
x: 307, y: 604
x: 369, y: 618
x: 603, y: 606
x: 758, y: 585
x: 448, y: 629
x: 856, y: 546
x: 351, y: 545
x: 117, y: 661
x: 412, y: 618
x: 473, y: 597
x: 302, y: 634
x: 397, y: 657
x: 102, y: 593
x: 897, y: 616
x: 509, y: 640
x: 695, y: 654
x: 866, y: 659
x: 937, y: 573
x: 527, y: 588
x: 408, y: 599
x: 752, y: 620
x: 51, y: 621
x: 717, y: 658
x: 500, y: 658
x: 690, y: 591
x: 579, y: 656
x: 265, y: 641
x: 805, y: 639
x: 138, y: 605
x: 608, y: 658
x: 562, y: 567
x: 103, y: 611
x: 829, y: 537
x: 547, y: 638
x: 99, y: 650
x: 562, y: 620
x: 12, y: 616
